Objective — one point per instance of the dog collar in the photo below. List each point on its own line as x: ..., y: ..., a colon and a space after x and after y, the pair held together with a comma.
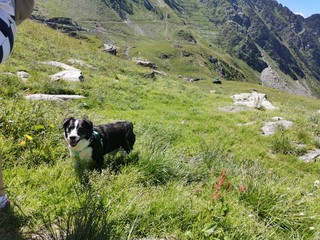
x: 98, y: 135
x: 76, y: 154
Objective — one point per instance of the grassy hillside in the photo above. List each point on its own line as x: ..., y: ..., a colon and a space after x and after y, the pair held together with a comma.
x: 193, y: 174
x: 202, y: 36
x: 160, y: 36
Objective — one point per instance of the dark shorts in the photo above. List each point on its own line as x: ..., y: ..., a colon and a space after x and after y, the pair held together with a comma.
x: 7, y: 34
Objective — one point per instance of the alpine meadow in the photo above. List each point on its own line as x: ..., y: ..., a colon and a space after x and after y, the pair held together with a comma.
x: 201, y: 167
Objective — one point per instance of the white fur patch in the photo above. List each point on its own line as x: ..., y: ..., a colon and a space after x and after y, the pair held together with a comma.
x: 81, y: 150
x: 74, y: 131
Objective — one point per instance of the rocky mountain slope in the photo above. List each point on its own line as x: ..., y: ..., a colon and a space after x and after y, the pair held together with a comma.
x: 244, y: 40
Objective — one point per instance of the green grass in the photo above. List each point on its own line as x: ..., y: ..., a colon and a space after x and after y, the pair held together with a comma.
x: 193, y: 174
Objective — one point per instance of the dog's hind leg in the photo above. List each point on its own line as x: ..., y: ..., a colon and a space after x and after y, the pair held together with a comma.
x: 129, y: 143
x: 126, y: 147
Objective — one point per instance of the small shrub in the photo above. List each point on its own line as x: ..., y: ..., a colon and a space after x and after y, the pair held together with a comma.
x: 303, y: 136
x: 89, y: 221
x: 276, y: 208
x: 214, y: 220
x: 282, y: 144
x: 10, y: 86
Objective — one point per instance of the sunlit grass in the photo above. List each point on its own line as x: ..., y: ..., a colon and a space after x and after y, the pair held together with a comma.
x: 194, y: 172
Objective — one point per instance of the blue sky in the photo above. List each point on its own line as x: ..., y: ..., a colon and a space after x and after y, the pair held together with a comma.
x: 303, y: 7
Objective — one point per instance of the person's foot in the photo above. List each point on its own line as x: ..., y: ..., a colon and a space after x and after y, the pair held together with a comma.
x: 4, y: 203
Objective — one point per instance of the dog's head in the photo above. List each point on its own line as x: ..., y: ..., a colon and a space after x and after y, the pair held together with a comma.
x: 77, y: 130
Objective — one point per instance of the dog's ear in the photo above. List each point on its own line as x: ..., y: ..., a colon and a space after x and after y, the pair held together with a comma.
x: 66, y: 122
x: 90, y: 124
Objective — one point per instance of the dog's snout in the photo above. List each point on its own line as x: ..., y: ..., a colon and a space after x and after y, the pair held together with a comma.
x: 72, y: 138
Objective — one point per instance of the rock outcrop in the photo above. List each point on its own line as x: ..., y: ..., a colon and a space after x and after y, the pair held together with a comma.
x: 253, y: 100
x: 272, y: 127
x: 70, y: 73
x: 51, y: 97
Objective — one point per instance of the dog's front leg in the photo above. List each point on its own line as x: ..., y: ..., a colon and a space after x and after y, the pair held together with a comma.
x: 74, y: 158
x: 99, y: 164
x: 75, y: 161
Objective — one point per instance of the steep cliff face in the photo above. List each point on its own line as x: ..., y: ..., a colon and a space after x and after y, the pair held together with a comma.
x: 251, y: 29
x: 122, y: 7
x: 313, y: 24
x: 299, y: 44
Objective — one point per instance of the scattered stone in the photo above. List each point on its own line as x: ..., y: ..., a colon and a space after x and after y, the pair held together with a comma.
x: 165, y: 56
x: 65, y: 25
x: 144, y: 63
x: 23, y: 75
x: 185, y: 53
x: 184, y: 122
x: 271, y: 127
x: 50, y: 97
x: 161, y: 73
x: 316, y: 183
x: 213, y: 59
x: 216, y: 81
x: 190, y: 79
x: 110, y: 49
x: 70, y: 73
x: 277, y: 118
x: 154, y: 73
x: 310, y: 156
x: 253, y: 100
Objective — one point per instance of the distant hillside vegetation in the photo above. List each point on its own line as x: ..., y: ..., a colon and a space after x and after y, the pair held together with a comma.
x: 245, y: 37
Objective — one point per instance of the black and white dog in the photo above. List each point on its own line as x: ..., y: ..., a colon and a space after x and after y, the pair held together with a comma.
x: 88, y: 142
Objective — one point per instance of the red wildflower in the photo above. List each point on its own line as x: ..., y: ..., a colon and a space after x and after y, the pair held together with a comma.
x: 222, y: 179
x: 216, y: 196
x: 243, y: 189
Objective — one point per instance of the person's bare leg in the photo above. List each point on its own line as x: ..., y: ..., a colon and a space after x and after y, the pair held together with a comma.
x: 4, y: 200
x: 2, y: 192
